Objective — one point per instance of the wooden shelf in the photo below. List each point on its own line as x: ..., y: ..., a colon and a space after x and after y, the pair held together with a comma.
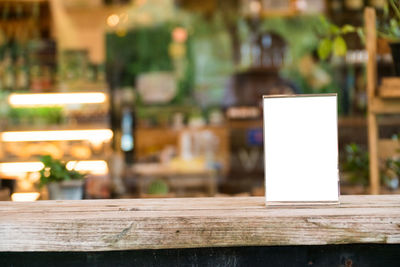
x: 390, y: 88
x: 149, y: 140
x: 381, y: 100
x: 384, y: 106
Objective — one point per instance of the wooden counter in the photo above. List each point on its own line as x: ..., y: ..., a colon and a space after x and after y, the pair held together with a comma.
x: 131, y: 224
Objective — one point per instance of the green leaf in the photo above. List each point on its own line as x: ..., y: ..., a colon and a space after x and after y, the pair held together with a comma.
x: 386, y: 10
x: 394, y: 28
x: 395, y: 7
x: 323, y: 20
x: 348, y: 29
x: 339, y: 46
x: 361, y: 34
x: 334, y: 29
x: 324, y: 48
x: 56, y: 171
x: 158, y: 187
x: 323, y: 26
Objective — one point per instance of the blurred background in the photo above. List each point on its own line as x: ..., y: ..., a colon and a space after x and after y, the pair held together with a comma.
x: 162, y: 98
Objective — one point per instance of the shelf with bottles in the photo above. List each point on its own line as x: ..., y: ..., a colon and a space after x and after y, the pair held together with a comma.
x: 261, y: 51
x: 24, y: 20
x: 352, y: 10
x: 350, y: 72
x: 27, y: 51
x: 68, y: 126
x: 37, y: 65
x: 76, y: 71
x: 158, y: 130
x: 28, y: 67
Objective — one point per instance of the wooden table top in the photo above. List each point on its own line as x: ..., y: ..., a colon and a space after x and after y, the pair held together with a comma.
x: 125, y: 224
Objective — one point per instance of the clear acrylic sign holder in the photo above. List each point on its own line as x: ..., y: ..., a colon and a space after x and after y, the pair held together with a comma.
x: 301, y: 149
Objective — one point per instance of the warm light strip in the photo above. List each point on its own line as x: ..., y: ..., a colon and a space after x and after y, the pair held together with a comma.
x: 91, y: 166
x: 98, y: 167
x: 55, y: 99
x: 96, y: 136
x: 25, y: 196
x: 20, y: 167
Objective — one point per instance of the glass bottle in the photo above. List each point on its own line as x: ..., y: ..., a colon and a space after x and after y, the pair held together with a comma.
x: 21, y: 74
x: 9, y: 79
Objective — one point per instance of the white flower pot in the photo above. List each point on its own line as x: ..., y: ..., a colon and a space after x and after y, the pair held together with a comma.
x: 66, y: 190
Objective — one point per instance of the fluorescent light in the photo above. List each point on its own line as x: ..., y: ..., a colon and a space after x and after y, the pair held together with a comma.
x: 55, y: 99
x: 20, y: 167
x: 95, y: 136
x: 32, y: 196
x: 97, y: 167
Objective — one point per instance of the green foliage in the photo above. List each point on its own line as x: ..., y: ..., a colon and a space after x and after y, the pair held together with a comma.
x: 332, y: 41
x: 141, y: 50
x: 331, y: 38
x: 357, y: 164
x: 392, y: 171
x: 391, y: 30
x: 348, y: 29
x: 56, y: 171
x: 324, y: 48
x: 212, y: 56
x: 144, y: 50
x: 157, y: 114
x: 339, y: 46
x: 47, y: 115
x: 299, y: 33
x: 186, y: 83
x: 4, y: 107
x: 158, y: 187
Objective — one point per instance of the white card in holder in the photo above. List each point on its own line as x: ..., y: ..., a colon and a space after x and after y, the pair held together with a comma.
x: 301, y: 149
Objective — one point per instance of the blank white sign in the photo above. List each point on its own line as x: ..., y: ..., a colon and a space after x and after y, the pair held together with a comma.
x: 301, y: 149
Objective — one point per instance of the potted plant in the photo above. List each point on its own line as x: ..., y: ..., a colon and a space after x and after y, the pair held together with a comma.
x: 61, y: 182
x: 391, y: 168
x: 356, y: 167
x: 391, y: 173
x: 388, y: 29
x: 391, y: 32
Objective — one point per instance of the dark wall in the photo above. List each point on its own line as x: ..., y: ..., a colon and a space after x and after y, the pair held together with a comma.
x: 333, y: 255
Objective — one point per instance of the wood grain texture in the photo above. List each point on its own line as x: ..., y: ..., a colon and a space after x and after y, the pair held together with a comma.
x: 101, y: 225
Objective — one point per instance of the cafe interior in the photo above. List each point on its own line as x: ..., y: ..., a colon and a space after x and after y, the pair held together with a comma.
x: 163, y: 98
